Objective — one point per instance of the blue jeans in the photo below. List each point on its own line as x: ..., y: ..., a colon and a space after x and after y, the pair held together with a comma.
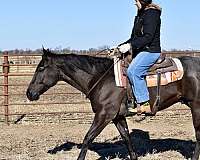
x: 137, y: 71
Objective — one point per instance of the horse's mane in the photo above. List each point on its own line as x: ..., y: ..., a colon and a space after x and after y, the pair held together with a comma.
x: 87, y: 63
x: 90, y: 63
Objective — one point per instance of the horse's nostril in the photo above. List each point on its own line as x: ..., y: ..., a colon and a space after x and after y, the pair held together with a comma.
x: 32, y: 95
x: 27, y: 93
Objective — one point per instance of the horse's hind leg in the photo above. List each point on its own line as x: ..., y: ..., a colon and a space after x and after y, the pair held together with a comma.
x: 100, y: 121
x: 121, y: 124
x: 195, y: 108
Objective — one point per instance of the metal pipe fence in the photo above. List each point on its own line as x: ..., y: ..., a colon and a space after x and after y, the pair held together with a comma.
x: 21, y: 71
x: 23, y: 66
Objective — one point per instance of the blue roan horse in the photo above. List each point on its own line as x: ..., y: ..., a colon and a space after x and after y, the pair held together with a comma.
x: 107, y: 100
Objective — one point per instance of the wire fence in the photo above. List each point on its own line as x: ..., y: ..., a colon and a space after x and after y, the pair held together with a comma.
x: 16, y: 72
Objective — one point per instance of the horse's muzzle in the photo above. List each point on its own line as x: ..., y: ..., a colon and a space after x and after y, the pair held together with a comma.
x: 32, y: 96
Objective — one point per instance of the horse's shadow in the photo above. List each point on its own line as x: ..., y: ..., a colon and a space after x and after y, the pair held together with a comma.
x: 142, y: 143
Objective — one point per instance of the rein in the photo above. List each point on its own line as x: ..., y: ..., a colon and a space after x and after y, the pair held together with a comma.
x: 107, y: 49
x: 97, y: 82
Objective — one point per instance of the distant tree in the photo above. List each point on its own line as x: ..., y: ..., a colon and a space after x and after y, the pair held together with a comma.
x: 103, y: 47
x: 92, y: 49
x: 175, y: 50
x: 163, y: 50
x: 16, y: 51
x: 66, y: 50
x: 37, y: 51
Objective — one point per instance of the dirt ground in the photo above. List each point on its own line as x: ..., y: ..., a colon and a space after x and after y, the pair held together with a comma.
x: 167, y: 136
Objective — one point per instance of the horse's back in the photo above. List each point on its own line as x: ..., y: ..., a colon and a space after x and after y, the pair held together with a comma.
x: 191, y: 79
x: 190, y: 64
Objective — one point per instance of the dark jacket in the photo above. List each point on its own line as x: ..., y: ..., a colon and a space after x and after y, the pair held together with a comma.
x: 146, y: 31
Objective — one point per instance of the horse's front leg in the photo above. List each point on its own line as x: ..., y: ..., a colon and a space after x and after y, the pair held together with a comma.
x: 121, y: 124
x: 100, y: 121
x: 197, y: 150
x: 197, y: 145
x: 195, y: 108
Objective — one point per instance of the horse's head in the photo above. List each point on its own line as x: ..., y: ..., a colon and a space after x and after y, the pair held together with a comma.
x: 46, y: 75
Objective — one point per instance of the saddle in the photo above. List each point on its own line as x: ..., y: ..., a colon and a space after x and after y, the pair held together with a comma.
x: 162, y: 65
x: 163, y: 72
x: 169, y: 70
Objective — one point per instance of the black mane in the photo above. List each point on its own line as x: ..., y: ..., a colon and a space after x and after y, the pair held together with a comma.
x: 89, y: 64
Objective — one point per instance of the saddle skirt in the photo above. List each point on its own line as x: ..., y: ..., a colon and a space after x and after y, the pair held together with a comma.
x: 171, y: 70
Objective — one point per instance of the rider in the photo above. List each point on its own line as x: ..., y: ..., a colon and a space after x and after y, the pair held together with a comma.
x: 145, y: 45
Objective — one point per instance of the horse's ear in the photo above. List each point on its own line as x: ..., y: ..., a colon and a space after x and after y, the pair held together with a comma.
x: 45, y: 51
x: 46, y: 54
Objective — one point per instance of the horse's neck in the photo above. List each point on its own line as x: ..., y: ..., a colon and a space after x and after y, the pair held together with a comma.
x: 76, y: 77
x: 82, y: 72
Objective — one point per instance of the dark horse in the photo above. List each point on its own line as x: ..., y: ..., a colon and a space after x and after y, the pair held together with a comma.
x: 108, y: 101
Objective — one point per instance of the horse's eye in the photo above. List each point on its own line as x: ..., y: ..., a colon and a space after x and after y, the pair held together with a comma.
x: 41, y: 68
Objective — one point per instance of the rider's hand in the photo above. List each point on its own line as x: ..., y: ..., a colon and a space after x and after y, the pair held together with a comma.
x: 124, y: 47
x: 113, y: 51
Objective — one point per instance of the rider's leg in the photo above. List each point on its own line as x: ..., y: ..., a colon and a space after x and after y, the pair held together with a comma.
x: 137, y: 71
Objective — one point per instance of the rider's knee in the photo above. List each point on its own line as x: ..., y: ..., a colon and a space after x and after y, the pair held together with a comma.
x: 133, y: 72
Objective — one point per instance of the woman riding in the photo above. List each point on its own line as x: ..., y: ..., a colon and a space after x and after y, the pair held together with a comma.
x: 145, y: 45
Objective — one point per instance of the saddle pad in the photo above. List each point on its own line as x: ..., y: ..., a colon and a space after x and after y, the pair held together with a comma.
x: 120, y: 75
x: 166, y: 78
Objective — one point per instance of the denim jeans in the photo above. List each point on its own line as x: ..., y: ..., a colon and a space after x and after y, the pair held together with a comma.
x: 137, y: 71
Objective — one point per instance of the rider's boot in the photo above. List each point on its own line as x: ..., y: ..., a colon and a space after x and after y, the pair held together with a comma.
x: 143, y: 108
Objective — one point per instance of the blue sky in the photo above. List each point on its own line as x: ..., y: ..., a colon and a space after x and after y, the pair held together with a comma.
x: 84, y: 24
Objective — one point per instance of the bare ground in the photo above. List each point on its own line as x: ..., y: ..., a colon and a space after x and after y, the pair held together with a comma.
x: 167, y: 136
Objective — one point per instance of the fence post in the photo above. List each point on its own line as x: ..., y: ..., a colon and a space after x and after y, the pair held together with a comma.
x: 5, y: 88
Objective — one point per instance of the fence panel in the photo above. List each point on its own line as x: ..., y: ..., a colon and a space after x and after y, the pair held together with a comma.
x: 15, y: 74
x: 17, y: 71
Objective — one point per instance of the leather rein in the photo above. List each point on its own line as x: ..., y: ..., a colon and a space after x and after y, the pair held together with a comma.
x: 111, y: 53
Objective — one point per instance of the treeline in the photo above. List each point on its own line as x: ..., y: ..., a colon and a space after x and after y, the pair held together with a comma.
x: 90, y: 51
x: 58, y: 51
